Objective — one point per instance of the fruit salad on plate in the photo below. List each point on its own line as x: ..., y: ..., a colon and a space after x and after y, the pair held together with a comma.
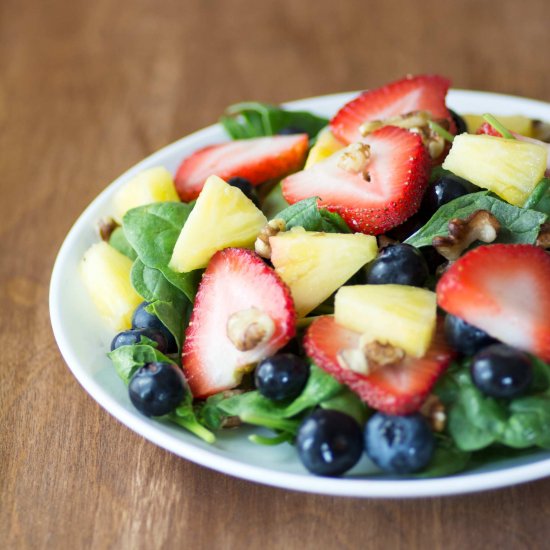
x: 377, y: 283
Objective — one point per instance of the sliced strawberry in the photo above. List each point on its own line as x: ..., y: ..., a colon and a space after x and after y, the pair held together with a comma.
x: 503, y: 289
x: 257, y: 160
x: 414, y: 93
x: 393, y: 389
x: 398, y: 170
x: 235, y: 280
x: 489, y: 130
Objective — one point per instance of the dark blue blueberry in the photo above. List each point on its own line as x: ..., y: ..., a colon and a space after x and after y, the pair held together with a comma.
x: 291, y: 130
x: 246, y: 187
x: 443, y: 190
x: 133, y: 336
x: 502, y: 371
x: 400, y: 264
x: 465, y: 338
x: 406, y: 229
x: 460, y: 123
x: 329, y: 442
x: 399, y: 444
x: 157, y: 388
x: 281, y: 376
x: 144, y: 319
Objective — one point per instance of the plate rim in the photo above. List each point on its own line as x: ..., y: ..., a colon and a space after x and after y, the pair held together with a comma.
x: 350, y: 487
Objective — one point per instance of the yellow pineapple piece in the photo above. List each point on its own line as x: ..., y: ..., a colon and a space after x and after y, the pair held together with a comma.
x: 106, y: 275
x: 325, y: 146
x: 153, y: 185
x: 222, y: 217
x: 404, y: 316
x: 508, y: 167
x: 314, y: 265
x: 515, y: 123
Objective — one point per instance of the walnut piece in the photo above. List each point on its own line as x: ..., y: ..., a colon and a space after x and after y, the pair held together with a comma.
x: 271, y: 229
x: 369, y: 356
x: 383, y: 353
x: 479, y: 226
x: 249, y: 328
x: 355, y: 159
x: 434, y: 411
x: 106, y: 226
x: 543, y: 238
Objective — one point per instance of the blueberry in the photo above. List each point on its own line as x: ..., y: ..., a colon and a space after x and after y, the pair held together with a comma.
x: 443, y: 190
x: 399, y: 444
x: 502, y: 371
x: 290, y: 130
x: 246, y: 187
x: 329, y: 442
x: 144, y: 319
x: 459, y: 123
x: 133, y: 336
x: 400, y: 264
x: 407, y: 228
x: 157, y: 388
x: 465, y: 338
x: 281, y: 376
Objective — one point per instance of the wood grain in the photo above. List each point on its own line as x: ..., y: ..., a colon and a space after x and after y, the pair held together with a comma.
x: 89, y: 88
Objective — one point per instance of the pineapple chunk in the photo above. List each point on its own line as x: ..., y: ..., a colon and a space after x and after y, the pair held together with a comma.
x: 314, y: 265
x: 153, y: 185
x: 106, y: 275
x: 515, y: 123
x: 508, y: 167
x: 222, y: 217
x: 325, y: 146
x: 404, y: 316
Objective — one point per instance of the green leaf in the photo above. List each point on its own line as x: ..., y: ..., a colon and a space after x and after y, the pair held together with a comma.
x: 518, y: 225
x: 349, y: 403
x: 128, y: 359
x: 306, y: 214
x: 184, y: 416
x: 167, y: 302
x: 119, y: 241
x: 274, y: 203
x: 152, y: 230
x: 253, y: 119
x: 447, y: 459
x: 539, y: 199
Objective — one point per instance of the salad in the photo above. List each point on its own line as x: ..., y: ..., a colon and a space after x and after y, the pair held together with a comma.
x: 374, y: 284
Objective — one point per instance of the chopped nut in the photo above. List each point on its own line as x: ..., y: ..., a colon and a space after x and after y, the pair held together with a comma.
x: 353, y: 359
x: 434, y: 411
x: 543, y: 238
x: 384, y: 241
x: 230, y: 422
x: 479, y: 226
x: 541, y: 130
x: 106, y: 226
x: 355, y: 159
x: 383, y: 353
x: 271, y: 229
x: 411, y: 120
x: 249, y: 328
x: 435, y: 144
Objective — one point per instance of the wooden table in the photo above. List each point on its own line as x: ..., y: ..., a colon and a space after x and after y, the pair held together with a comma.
x: 89, y: 88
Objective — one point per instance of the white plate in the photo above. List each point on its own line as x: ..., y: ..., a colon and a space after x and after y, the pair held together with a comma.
x: 84, y: 339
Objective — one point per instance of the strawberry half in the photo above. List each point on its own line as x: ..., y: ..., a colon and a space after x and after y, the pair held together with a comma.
x: 503, y: 289
x: 257, y: 160
x: 235, y: 282
x: 393, y: 389
x: 413, y: 93
x: 398, y: 169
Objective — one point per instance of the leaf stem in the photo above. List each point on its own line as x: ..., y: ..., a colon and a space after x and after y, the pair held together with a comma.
x: 498, y: 126
x: 277, y: 440
x: 194, y: 427
x: 441, y: 131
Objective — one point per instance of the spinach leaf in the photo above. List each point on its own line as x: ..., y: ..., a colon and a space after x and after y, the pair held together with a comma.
x: 539, y: 199
x: 167, y: 302
x: 308, y: 215
x: 348, y: 402
x: 252, y: 119
x: 518, y: 225
x: 447, y: 459
x: 184, y: 416
x: 128, y: 359
x: 119, y: 241
x: 274, y: 203
x: 152, y: 230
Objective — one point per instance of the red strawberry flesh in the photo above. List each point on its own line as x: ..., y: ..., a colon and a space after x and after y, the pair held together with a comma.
x: 398, y: 170
x: 393, y: 389
x: 258, y: 160
x: 503, y: 289
x: 414, y: 93
x: 235, y: 279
